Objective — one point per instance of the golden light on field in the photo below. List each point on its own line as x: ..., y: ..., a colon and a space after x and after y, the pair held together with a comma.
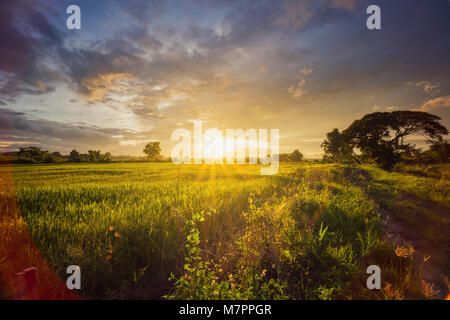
x: 217, y: 147
x: 224, y: 150
x: 213, y: 147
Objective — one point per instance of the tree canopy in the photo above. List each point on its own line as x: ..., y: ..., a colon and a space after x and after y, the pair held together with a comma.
x: 152, y: 150
x: 336, y: 148
x: 295, y: 156
x: 381, y: 136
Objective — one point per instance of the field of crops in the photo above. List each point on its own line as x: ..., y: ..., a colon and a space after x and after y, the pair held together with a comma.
x: 157, y: 230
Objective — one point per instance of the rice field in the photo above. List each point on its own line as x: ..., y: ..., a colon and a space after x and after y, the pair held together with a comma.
x: 158, y: 230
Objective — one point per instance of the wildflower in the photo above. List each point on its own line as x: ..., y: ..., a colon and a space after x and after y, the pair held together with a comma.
x: 428, y: 289
x: 404, y: 252
x: 111, y: 228
x: 392, y: 293
x: 116, y: 234
x: 447, y: 283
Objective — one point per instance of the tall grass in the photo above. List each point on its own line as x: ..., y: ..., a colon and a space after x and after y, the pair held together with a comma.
x: 216, y: 231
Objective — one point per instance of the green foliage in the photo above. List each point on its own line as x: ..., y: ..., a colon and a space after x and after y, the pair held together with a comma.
x: 204, y: 280
x: 94, y: 155
x: 33, y: 153
x: 74, y: 156
x: 152, y: 150
x: 380, y: 137
x: 336, y: 147
x: 295, y: 156
x: 439, y: 152
x: 221, y: 231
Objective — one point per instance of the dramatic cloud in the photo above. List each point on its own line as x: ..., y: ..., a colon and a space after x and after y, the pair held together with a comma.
x: 27, y: 40
x: 20, y: 129
x: 148, y: 67
x: 432, y: 104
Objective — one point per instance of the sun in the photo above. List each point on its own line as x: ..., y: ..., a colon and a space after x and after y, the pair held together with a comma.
x: 213, y: 147
x: 216, y: 147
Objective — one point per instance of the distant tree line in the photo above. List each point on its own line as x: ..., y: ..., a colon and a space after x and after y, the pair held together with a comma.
x: 151, y: 150
x: 34, y: 154
x: 91, y: 156
x: 295, y: 156
x: 380, y: 138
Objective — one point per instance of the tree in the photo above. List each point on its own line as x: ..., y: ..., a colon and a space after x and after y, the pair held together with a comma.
x: 107, y: 157
x: 296, y: 156
x: 49, y: 159
x: 74, y: 156
x: 438, y: 152
x: 283, y: 157
x: 381, y: 135
x: 152, y: 150
x: 35, y: 153
x: 336, y: 147
x: 94, y: 155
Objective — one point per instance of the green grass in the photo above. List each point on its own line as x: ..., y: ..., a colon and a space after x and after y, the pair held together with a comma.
x: 219, y: 232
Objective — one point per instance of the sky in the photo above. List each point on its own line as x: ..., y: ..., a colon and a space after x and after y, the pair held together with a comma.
x: 137, y: 70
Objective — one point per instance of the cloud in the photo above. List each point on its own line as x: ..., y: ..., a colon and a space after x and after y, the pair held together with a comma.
x: 143, y: 10
x: 305, y: 71
x: 348, y: 5
x: 296, y: 14
x: 376, y: 108
x: 427, y: 86
x: 166, y: 64
x: 19, y: 128
x: 299, y: 90
x: 440, y: 102
x: 26, y: 39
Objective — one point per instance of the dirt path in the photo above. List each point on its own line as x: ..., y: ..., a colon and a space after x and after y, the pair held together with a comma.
x: 427, y: 232
x: 413, y: 221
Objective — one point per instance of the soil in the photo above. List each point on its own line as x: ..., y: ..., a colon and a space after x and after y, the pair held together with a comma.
x: 436, y: 268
